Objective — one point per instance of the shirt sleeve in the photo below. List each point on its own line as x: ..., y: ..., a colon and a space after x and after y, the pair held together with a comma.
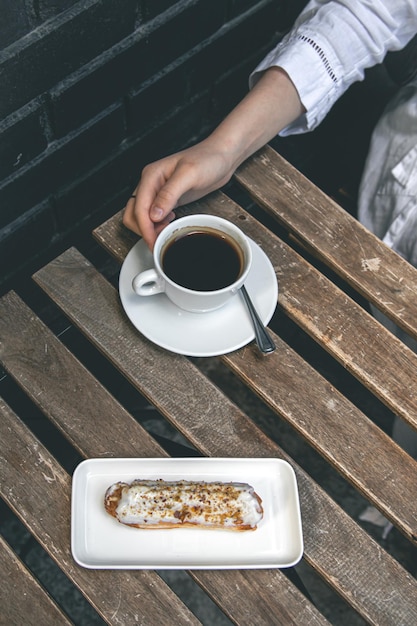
x: 330, y: 46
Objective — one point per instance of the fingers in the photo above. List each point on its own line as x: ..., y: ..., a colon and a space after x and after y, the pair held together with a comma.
x: 169, y: 183
x: 137, y: 214
x: 159, y: 192
x: 153, y: 210
x: 129, y: 218
x: 144, y: 217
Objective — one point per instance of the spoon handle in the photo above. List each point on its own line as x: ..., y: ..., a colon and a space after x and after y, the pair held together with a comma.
x: 262, y: 337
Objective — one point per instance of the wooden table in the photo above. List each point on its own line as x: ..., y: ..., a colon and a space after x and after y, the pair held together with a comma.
x: 325, y: 250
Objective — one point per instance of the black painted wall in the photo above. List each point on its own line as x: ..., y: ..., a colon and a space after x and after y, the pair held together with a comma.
x: 93, y: 90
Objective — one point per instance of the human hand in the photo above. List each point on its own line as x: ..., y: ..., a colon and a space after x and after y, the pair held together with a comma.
x: 185, y: 176
x: 172, y: 182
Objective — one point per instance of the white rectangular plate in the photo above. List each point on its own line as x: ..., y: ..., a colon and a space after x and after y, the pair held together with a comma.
x: 99, y: 541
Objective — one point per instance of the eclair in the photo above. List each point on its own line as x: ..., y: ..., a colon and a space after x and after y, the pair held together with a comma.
x: 159, y: 504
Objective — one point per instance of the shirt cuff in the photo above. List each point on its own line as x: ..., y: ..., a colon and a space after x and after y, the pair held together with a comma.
x: 302, y: 58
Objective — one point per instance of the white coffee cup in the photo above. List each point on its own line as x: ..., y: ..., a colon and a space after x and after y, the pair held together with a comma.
x: 207, y: 238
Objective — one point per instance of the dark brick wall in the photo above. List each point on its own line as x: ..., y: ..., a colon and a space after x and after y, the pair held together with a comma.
x: 93, y: 90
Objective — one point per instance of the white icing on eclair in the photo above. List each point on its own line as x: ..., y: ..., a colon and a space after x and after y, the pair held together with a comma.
x: 233, y: 506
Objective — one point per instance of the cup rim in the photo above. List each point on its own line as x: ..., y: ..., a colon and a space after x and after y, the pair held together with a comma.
x: 180, y: 223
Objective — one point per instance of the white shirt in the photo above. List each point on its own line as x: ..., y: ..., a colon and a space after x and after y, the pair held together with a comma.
x: 331, y: 45
x: 388, y: 190
x: 328, y: 49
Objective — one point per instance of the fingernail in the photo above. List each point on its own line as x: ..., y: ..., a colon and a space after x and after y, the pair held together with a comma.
x: 156, y: 213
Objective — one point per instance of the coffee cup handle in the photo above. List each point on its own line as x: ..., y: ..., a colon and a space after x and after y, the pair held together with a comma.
x: 148, y: 283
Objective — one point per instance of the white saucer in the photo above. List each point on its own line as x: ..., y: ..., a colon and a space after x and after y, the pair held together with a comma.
x: 197, y: 334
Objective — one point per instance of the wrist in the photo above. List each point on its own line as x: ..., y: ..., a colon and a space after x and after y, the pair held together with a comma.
x: 272, y: 105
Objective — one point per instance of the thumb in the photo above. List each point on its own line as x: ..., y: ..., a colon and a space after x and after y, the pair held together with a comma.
x: 170, y: 195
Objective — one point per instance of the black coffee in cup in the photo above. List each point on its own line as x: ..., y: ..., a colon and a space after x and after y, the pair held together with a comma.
x: 202, y: 259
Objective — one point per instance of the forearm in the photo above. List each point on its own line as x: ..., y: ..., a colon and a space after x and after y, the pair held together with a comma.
x: 269, y: 107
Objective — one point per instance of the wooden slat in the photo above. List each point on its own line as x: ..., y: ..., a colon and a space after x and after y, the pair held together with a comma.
x: 360, y: 570
x: 37, y: 488
x: 364, y: 347
x: 361, y: 344
x: 336, y: 428
x: 22, y: 599
x: 333, y: 235
x: 59, y: 385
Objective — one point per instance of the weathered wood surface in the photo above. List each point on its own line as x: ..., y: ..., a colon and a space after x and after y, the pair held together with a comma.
x: 335, y: 546
x: 98, y: 426
x: 360, y: 570
x: 22, y: 599
x: 354, y: 338
x: 380, y: 275
x: 331, y: 424
x: 36, y: 487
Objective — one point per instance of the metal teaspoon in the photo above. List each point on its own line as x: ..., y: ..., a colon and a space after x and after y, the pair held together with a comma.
x: 262, y: 337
